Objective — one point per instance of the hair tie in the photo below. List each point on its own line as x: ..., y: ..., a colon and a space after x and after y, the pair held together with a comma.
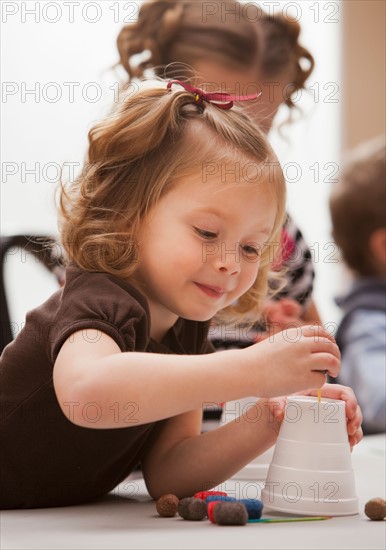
x: 222, y: 100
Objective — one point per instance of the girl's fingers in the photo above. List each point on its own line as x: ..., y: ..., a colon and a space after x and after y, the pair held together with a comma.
x: 276, y: 405
x: 353, y: 410
x: 318, y: 333
x: 318, y: 379
x: 325, y: 363
x: 325, y: 346
x: 344, y: 393
x: 355, y: 438
x: 355, y: 422
x: 358, y: 436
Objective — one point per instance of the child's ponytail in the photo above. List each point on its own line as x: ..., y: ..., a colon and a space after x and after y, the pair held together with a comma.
x: 156, y: 116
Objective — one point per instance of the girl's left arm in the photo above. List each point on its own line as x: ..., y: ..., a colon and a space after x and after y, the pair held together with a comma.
x: 183, y: 461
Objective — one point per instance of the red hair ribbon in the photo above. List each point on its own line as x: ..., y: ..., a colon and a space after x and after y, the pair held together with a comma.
x: 222, y: 100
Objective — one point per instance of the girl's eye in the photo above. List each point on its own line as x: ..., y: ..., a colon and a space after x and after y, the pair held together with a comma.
x: 250, y: 250
x: 205, y: 234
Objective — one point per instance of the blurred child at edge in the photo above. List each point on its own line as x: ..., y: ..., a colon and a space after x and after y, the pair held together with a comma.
x: 358, y: 210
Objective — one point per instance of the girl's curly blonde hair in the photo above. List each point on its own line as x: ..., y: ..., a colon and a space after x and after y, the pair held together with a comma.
x: 135, y: 156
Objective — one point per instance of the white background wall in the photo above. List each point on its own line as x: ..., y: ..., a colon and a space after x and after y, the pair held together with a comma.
x: 56, y: 81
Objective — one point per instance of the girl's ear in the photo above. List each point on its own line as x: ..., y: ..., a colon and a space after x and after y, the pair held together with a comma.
x: 377, y: 243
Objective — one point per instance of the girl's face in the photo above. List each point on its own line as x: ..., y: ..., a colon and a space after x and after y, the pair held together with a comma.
x: 273, y: 89
x: 200, y: 246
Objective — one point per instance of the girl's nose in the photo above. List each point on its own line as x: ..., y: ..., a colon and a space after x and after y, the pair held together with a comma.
x: 231, y: 270
x: 228, y: 260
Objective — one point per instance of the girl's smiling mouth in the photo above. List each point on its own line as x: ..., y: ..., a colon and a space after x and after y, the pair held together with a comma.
x: 212, y: 291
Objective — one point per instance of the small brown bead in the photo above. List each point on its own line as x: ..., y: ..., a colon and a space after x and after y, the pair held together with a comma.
x: 167, y: 505
x: 375, y: 509
x: 193, y: 509
x: 183, y: 507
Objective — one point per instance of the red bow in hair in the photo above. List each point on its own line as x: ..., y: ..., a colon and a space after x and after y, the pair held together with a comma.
x: 222, y: 100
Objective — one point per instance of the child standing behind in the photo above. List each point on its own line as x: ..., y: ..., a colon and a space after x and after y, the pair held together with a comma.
x: 172, y: 221
x: 358, y: 209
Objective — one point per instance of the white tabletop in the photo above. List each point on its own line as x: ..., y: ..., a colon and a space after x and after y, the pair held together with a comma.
x: 127, y: 518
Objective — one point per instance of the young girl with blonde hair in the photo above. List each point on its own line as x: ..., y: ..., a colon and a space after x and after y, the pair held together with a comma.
x: 240, y: 48
x: 172, y: 221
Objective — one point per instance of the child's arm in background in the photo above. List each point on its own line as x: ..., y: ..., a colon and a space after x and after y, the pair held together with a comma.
x: 286, y: 313
x: 161, y: 386
x: 310, y: 314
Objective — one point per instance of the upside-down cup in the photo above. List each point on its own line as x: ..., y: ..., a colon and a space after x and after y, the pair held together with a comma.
x: 311, y: 471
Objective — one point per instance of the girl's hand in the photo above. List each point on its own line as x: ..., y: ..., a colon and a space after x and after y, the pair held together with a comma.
x: 333, y: 391
x: 292, y: 360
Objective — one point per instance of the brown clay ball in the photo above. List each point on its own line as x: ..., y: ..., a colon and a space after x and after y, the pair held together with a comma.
x: 193, y: 509
x: 167, y: 505
x: 375, y: 509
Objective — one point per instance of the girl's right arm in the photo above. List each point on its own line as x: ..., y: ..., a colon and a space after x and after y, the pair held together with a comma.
x: 158, y: 386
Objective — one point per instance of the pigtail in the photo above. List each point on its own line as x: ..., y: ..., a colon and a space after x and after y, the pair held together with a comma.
x: 282, y: 51
x: 156, y: 115
x: 300, y: 54
x: 151, y: 35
